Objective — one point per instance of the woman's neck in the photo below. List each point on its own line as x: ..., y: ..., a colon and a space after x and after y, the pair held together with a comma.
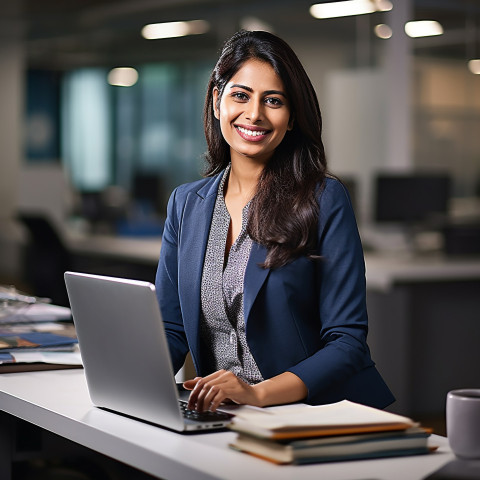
x: 243, y: 179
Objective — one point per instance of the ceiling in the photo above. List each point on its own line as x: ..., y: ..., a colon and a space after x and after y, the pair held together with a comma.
x: 63, y: 34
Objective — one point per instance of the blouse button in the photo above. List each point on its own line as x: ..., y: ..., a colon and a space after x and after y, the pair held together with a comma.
x: 233, y: 337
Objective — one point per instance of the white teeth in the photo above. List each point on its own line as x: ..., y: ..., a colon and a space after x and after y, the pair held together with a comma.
x: 252, y: 133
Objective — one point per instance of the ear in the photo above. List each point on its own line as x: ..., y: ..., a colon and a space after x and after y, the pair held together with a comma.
x: 290, y: 123
x: 216, y: 110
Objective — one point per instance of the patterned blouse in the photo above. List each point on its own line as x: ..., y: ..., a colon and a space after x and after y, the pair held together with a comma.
x: 222, y: 324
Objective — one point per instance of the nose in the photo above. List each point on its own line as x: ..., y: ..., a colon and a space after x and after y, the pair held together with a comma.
x: 254, y: 112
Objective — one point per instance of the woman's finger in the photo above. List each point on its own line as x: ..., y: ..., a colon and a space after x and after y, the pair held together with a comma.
x: 197, y: 389
x: 200, y: 396
x: 190, y: 384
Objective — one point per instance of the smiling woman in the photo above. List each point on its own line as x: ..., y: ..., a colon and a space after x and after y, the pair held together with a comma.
x: 254, y: 112
x: 261, y: 273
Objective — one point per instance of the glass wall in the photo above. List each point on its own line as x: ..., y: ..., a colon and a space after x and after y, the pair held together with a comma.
x: 111, y: 135
x: 447, y: 121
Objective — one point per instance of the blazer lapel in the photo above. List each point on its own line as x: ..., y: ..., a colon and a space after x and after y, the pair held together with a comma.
x: 254, y: 277
x: 195, y: 227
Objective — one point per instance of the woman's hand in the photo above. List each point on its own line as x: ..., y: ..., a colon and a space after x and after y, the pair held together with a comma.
x: 219, y: 387
x: 223, y: 386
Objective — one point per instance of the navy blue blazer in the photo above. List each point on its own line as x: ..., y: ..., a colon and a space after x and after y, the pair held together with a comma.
x: 308, y: 317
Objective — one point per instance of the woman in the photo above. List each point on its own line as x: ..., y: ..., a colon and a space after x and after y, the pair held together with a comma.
x: 261, y: 273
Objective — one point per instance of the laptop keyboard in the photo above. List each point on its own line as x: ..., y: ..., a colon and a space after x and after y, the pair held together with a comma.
x: 202, y: 416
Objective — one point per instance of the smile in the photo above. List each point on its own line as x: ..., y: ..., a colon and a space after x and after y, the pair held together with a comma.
x: 251, y: 135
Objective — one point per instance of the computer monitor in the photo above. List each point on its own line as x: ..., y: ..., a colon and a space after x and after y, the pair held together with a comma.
x: 91, y: 206
x: 147, y: 189
x: 412, y: 198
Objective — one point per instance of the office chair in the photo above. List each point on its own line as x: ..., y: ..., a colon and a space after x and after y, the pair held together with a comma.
x: 45, y: 259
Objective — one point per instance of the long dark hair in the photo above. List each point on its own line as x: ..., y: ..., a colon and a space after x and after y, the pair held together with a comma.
x: 283, y: 214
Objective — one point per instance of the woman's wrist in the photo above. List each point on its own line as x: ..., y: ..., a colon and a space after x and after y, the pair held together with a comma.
x: 260, y: 394
x: 284, y: 388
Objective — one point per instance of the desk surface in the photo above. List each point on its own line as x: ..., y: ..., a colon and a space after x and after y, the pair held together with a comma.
x: 144, y: 250
x: 58, y: 401
x: 383, y: 269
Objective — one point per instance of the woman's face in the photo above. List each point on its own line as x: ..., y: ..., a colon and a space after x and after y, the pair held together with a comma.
x: 254, y: 112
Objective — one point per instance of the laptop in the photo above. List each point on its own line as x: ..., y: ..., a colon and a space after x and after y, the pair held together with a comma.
x: 125, y: 352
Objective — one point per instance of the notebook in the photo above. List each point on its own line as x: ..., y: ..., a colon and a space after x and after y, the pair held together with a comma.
x: 125, y: 352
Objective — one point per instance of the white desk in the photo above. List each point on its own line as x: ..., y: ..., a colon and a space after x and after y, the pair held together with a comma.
x: 116, y: 256
x: 58, y: 402
x: 143, y: 250
x: 385, y: 270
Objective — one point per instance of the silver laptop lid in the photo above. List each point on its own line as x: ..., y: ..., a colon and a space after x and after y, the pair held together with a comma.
x: 123, y: 346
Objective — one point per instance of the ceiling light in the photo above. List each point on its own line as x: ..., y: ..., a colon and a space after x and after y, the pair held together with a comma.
x: 122, y: 76
x: 156, y: 31
x: 253, y: 24
x: 349, y: 7
x: 383, y: 31
x: 474, y: 66
x: 423, y: 28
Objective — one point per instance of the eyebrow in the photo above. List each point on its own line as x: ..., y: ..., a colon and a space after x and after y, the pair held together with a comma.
x: 250, y: 89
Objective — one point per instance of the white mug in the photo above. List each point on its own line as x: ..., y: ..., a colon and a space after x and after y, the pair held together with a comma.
x: 463, y: 422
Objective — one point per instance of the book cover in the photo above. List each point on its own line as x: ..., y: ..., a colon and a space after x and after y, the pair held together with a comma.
x: 25, y: 360
x: 338, y: 418
x: 34, y: 340
x: 344, y: 447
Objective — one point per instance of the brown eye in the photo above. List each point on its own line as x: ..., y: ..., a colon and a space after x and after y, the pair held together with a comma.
x: 274, y: 101
x: 243, y: 97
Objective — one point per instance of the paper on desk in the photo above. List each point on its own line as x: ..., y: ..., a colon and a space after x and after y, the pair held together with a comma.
x: 343, y: 413
x: 26, y: 327
x: 42, y: 312
x: 249, y: 411
x: 57, y: 358
x: 38, y: 312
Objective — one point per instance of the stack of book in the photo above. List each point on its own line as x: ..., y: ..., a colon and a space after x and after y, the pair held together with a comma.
x: 37, y: 350
x: 34, y: 334
x: 325, y: 433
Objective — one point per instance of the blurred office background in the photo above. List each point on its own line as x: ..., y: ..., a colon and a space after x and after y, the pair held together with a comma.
x: 99, y: 124
x: 95, y: 150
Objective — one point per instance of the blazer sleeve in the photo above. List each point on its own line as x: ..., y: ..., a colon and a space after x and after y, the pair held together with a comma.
x: 341, y: 299
x: 166, y: 285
